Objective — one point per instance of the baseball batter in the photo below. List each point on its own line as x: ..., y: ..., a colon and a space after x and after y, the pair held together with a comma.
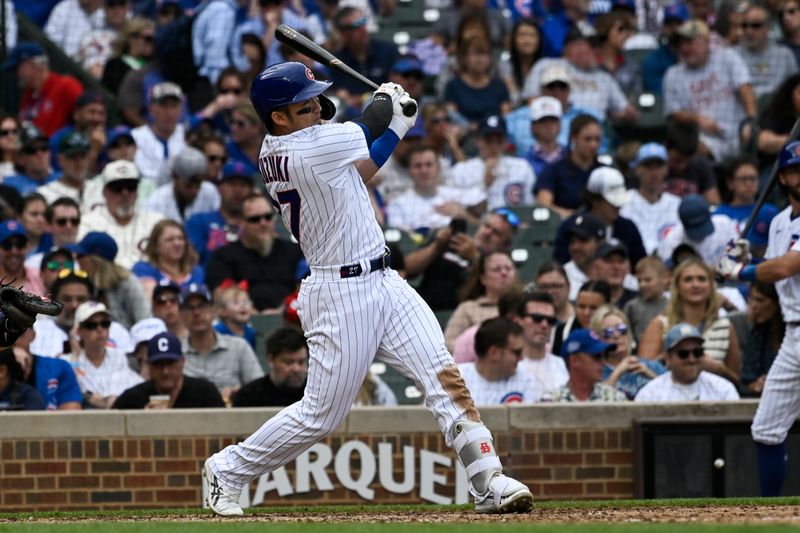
x: 353, y: 306
x: 780, y: 400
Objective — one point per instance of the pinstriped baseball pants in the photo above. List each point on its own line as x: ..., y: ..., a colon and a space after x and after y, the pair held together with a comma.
x: 780, y: 401
x: 348, y: 323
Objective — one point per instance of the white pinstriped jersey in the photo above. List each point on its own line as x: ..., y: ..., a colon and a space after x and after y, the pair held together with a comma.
x: 513, y: 180
x: 519, y: 388
x: 311, y: 178
x: 784, y: 235
x: 111, y: 378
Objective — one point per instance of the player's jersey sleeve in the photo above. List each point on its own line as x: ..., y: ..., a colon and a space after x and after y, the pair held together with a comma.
x: 329, y: 148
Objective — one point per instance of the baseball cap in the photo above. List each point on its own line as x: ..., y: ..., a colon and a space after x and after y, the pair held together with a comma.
x: 417, y: 131
x: 692, y: 28
x: 628, y: 5
x: 189, y: 163
x: 681, y: 332
x: 695, y: 217
x: 90, y: 97
x: 677, y: 11
x: 11, y: 228
x: 119, y: 132
x: 95, y: 243
x: 164, y: 346
x: 87, y: 310
x: 759, y: 232
x: 588, y: 226
x: 650, y: 152
x: 545, y: 106
x: 194, y: 289
x: 574, y: 34
x: 74, y: 142
x: 607, y: 248
x: 146, y: 329
x: 609, y: 183
x: 119, y: 171
x: 492, y: 124
x: 52, y: 253
x: 22, y: 52
x: 235, y: 170
x: 31, y: 135
x: 585, y: 341
x: 790, y: 155
x: 407, y: 64
x: 553, y: 73
x: 165, y: 285
x: 164, y: 90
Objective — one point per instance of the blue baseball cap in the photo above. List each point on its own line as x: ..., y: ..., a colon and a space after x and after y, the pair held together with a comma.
x: 759, y: 232
x: 677, y: 11
x: 11, y: 228
x: 119, y: 132
x: 695, y: 217
x: 407, y: 64
x: 194, y: 289
x: 164, y: 347
x: 165, y: 285
x: 650, y: 152
x: 629, y: 5
x: 22, y: 52
x: 236, y: 170
x: 492, y: 124
x: 585, y: 341
x: 95, y: 243
x: 790, y: 155
x: 681, y: 332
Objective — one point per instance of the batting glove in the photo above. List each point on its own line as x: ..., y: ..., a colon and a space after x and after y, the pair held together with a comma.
x: 729, y: 267
x: 739, y: 251
x: 400, y: 123
x: 394, y: 90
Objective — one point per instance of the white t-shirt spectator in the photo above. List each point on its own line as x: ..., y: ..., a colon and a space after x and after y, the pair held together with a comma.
x: 519, y: 388
x: 130, y: 238
x: 547, y: 373
x: 707, y: 388
x: 163, y: 201
x: 411, y: 210
x: 512, y: 186
x: 68, y: 24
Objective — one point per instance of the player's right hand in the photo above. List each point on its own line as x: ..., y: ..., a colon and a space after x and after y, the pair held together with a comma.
x: 394, y: 90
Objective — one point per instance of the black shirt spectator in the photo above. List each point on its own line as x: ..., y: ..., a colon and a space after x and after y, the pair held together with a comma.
x: 264, y: 393
x: 196, y: 392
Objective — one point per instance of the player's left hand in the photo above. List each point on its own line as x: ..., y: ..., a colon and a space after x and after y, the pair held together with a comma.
x: 400, y: 123
x: 729, y: 267
x: 739, y: 251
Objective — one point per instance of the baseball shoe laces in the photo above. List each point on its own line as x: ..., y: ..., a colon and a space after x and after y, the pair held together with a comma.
x: 505, y: 495
x: 221, y: 499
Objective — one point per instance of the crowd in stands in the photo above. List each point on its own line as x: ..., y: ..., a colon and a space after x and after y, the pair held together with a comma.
x: 155, y: 233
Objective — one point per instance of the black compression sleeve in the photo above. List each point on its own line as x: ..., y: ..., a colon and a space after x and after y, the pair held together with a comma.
x: 376, y: 117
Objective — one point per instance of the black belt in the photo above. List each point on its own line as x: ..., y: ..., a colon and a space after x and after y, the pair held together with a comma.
x: 379, y: 263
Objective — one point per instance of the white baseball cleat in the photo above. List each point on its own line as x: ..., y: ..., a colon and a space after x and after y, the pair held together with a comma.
x: 222, y: 500
x: 505, y: 495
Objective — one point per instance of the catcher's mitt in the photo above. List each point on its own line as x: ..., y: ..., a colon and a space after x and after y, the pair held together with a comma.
x: 19, y: 310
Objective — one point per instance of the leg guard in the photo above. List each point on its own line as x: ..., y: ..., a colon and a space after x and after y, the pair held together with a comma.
x: 474, y: 447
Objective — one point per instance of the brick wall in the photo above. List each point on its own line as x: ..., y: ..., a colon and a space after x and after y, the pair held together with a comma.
x: 85, y: 469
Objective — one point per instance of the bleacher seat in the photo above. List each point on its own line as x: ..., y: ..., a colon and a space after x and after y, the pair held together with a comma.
x: 533, y: 243
x: 404, y: 389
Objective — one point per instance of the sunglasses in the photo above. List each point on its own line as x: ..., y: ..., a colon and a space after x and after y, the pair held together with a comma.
x: 215, y: 158
x: 165, y: 299
x: 557, y: 85
x: 684, y: 354
x: 752, y: 25
x: 120, y: 186
x: 240, y: 123
x: 255, y: 219
x: 358, y: 23
x: 72, y: 221
x: 6, y: 133
x: 230, y: 90
x: 538, y: 318
x: 91, y: 326
x: 30, y: 150
x: 622, y: 329
x: 55, y: 265
x: 19, y: 244
x: 510, y: 216
x: 439, y: 120
x: 67, y: 272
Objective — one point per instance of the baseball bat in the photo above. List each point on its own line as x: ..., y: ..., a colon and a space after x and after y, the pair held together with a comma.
x: 772, y: 178
x: 307, y: 47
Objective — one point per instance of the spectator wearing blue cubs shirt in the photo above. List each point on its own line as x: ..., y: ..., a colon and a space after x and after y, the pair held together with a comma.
x: 212, y: 230
x: 53, y: 378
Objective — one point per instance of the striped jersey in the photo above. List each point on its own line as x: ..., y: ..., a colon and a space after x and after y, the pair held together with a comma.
x: 784, y: 236
x: 313, y: 183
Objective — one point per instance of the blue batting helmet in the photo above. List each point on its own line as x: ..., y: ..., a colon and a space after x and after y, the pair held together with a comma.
x: 288, y: 83
x: 790, y: 155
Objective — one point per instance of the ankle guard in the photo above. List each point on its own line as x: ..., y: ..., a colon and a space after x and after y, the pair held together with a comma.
x: 474, y: 447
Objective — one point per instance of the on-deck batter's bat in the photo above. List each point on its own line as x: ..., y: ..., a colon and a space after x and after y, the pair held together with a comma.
x: 309, y: 48
x: 772, y: 179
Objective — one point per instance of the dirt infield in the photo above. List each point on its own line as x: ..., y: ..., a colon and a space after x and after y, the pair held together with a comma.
x: 739, y: 514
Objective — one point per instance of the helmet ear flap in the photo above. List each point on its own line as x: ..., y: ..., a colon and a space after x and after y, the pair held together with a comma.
x: 328, y: 107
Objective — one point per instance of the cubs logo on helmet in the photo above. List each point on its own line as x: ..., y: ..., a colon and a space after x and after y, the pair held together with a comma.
x: 790, y: 155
